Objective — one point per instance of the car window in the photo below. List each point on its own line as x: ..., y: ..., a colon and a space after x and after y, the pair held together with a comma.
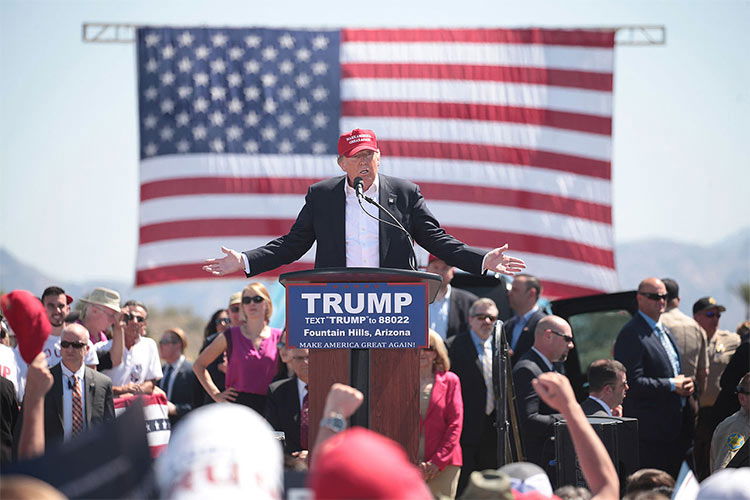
x: 595, y: 334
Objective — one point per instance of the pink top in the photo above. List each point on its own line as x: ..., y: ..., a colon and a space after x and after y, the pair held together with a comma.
x: 248, y: 369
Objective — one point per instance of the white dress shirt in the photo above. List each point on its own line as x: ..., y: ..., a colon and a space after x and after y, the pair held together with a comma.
x: 302, y: 391
x: 362, y: 231
x: 67, y: 395
x: 439, y: 310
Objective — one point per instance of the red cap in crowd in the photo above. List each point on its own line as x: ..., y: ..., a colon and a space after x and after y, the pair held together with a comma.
x: 357, y: 140
x: 359, y: 463
x: 28, y: 319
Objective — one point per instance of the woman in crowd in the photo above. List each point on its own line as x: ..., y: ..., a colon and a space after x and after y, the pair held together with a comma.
x: 218, y: 323
x: 252, y: 353
x: 217, y: 368
x: 441, y: 419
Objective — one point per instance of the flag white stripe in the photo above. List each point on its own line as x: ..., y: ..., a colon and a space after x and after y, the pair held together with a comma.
x: 570, y: 271
x: 488, y: 133
x: 457, y: 214
x: 526, y: 95
x: 462, y: 172
x: 197, y: 250
x: 595, y: 59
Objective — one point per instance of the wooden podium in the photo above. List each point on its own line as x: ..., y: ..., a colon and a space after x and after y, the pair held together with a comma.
x: 388, y: 378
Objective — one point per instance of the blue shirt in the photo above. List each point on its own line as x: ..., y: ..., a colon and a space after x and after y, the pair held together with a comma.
x: 516, y: 334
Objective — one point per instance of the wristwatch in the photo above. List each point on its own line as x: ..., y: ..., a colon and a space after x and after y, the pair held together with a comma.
x: 335, y: 421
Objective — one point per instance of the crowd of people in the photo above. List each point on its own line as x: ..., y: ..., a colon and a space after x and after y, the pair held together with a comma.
x: 684, y: 379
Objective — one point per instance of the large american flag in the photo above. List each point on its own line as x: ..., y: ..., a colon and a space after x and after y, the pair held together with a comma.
x: 507, y: 131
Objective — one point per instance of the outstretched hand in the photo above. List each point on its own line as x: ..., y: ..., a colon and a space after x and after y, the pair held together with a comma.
x: 230, y: 263
x: 498, y: 262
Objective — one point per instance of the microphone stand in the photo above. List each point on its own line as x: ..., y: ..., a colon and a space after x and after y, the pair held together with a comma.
x: 398, y: 225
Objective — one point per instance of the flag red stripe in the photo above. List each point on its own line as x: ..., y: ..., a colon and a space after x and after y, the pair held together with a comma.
x: 555, y: 290
x: 184, y: 272
x: 432, y: 191
x: 510, y: 74
x: 481, y: 112
x: 497, y: 154
x: 529, y: 243
x: 207, y: 228
x: 580, y: 38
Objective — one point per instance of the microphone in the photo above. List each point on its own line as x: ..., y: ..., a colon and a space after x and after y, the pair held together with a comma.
x: 359, y: 187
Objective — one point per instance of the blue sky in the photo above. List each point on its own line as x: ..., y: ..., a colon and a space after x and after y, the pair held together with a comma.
x: 68, y: 114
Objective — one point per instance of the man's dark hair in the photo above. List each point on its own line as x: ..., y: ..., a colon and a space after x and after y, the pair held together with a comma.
x: 52, y: 290
x: 603, y: 372
x: 673, y: 289
x: 648, y: 479
x: 532, y: 282
x: 135, y: 303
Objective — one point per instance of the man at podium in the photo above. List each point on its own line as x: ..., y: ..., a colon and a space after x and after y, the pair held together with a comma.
x: 348, y: 237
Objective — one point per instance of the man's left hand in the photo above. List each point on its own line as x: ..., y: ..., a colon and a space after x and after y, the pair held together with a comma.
x: 498, y: 262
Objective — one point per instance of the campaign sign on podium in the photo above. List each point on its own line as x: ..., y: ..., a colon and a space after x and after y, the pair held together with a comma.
x: 357, y: 315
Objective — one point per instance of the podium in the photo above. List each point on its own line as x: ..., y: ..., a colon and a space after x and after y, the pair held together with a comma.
x: 388, y: 378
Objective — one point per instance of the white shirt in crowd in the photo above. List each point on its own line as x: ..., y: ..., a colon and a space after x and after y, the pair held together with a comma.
x: 9, y: 365
x: 67, y: 398
x: 139, y: 363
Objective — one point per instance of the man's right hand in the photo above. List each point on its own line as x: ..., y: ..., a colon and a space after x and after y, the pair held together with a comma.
x: 684, y: 386
x: 230, y: 263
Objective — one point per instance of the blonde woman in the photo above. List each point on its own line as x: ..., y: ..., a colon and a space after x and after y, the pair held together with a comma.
x: 441, y: 413
x: 252, y: 355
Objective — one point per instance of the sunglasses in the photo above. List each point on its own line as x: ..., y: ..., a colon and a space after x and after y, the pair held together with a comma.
x: 653, y: 296
x: 130, y: 317
x: 482, y: 317
x: 256, y: 299
x: 78, y: 345
x: 741, y: 390
x: 222, y: 321
x: 568, y: 338
x: 712, y: 314
x: 169, y: 341
x: 234, y: 309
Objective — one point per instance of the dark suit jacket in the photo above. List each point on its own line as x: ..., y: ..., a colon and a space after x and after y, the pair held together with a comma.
x: 593, y: 408
x: 526, y: 340
x: 650, y: 398
x: 187, y: 393
x: 8, y: 418
x: 535, y: 417
x: 466, y: 364
x: 322, y: 219
x: 283, y: 412
x: 458, y: 312
x: 99, y: 404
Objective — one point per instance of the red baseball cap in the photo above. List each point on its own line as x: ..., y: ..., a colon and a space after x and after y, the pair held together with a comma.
x: 361, y: 464
x: 28, y: 319
x: 357, y: 140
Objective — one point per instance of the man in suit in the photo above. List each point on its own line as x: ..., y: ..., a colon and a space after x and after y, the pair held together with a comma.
x: 519, y: 330
x: 470, y: 355
x: 179, y: 382
x: 80, y: 397
x: 553, y: 339
x: 608, y: 384
x: 286, y: 407
x: 449, y: 312
x: 658, y: 387
x: 347, y: 237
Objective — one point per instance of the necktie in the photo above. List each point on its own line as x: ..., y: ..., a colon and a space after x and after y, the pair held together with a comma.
x: 77, y: 407
x: 487, y: 373
x: 166, y: 379
x: 669, y: 348
x: 304, y: 421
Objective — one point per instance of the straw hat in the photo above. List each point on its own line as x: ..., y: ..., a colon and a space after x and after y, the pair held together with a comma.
x: 105, y: 298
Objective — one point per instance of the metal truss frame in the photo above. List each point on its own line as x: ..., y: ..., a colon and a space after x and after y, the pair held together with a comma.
x: 626, y: 35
